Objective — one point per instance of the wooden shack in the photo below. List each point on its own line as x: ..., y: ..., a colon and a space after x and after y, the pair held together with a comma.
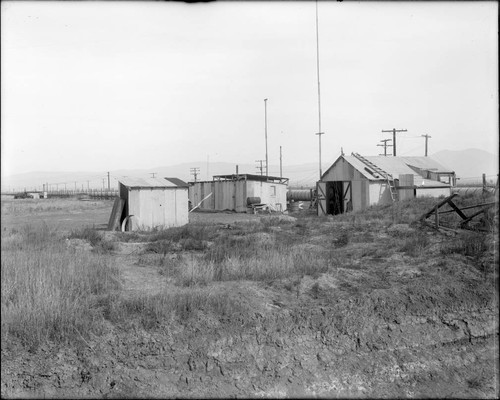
x: 237, y: 192
x: 355, y: 182
x: 149, y: 203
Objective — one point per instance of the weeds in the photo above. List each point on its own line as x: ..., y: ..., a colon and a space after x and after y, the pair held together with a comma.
x: 47, y: 291
x: 181, y: 304
x: 471, y: 244
x: 95, y: 238
x: 415, y: 245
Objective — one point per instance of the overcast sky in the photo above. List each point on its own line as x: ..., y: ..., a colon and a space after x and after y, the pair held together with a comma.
x: 108, y: 85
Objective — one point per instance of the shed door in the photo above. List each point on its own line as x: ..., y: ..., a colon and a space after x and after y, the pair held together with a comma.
x: 347, y: 197
x: 321, y: 190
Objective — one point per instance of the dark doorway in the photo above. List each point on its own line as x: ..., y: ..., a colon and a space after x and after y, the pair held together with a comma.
x: 335, y: 197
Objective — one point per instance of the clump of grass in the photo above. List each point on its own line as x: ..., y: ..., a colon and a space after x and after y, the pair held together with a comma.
x: 195, y: 232
x: 182, y: 304
x: 415, y: 245
x: 472, y: 244
x: 47, y: 292
x: 95, y: 238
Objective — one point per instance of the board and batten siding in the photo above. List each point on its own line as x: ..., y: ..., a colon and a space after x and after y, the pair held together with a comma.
x: 232, y: 195
x: 157, y: 207
x: 345, y: 172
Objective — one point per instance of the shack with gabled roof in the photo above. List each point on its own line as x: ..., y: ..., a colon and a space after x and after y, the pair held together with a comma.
x: 355, y: 182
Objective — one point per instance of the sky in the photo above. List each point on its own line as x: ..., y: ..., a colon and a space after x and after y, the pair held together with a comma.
x: 98, y: 86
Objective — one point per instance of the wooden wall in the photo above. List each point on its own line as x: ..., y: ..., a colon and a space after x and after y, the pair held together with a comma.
x: 157, y: 208
x: 232, y: 195
x: 343, y: 171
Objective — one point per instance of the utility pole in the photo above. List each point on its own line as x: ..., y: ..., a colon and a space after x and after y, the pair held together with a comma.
x: 103, y: 180
x: 385, y: 145
x: 195, y: 171
x: 281, y: 165
x: 265, y: 119
x: 109, y: 187
x: 426, y: 140
x: 260, y: 161
x: 151, y: 173
x: 319, y: 93
x: 394, y: 131
x: 88, y: 186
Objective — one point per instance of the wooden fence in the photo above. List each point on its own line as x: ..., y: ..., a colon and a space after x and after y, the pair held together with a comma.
x: 91, y: 193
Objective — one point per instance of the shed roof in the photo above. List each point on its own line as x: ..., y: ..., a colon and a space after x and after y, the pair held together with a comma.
x: 395, y: 166
x: 251, y: 177
x: 132, y: 182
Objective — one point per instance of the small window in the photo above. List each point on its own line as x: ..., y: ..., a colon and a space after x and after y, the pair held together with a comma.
x: 272, y: 190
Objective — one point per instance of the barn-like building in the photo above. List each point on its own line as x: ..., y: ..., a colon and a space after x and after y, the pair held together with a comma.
x: 149, y: 203
x: 355, y: 182
x: 237, y: 192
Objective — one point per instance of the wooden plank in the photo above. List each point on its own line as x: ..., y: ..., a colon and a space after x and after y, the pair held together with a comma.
x: 441, y: 203
x: 458, y: 211
x: 116, y: 213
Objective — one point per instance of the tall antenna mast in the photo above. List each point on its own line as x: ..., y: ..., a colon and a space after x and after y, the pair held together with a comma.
x: 319, y: 93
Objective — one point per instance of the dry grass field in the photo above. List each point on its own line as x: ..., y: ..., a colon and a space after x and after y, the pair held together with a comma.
x: 366, y: 304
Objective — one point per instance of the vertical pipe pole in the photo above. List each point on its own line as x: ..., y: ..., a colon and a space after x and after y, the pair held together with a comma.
x: 281, y: 165
x: 265, y: 121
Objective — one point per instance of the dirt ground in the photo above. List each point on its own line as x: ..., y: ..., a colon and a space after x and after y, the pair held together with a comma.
x: 317, y: 336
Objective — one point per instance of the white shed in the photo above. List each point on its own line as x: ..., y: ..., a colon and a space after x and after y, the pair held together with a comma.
x: 149, y: 203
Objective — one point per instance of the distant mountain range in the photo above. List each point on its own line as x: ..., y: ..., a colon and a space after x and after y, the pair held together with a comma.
x: 468, y: 164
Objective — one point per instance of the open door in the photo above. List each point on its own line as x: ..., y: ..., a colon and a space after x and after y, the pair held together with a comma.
x: 321, y: 190
x: 347, y: 197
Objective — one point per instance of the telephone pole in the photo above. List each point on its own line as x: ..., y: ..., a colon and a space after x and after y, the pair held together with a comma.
x: 195, y: 171
x: 260, y: 168
x: 265, y: 119
x: 151, y: 173
x: 426, y: 140
x: 109, y: 187
x: 385, y: 145
x: 394, y: 131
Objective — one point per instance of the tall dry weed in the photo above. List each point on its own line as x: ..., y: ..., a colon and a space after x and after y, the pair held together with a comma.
x: 48, y: 289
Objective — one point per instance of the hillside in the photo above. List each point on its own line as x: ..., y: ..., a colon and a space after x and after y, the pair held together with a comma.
x: 299, y: 175
x: 469, y: 164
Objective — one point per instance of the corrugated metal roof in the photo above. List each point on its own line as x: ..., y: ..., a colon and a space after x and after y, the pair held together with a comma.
x: 396, y: 166
x: 426, y: 163
x: 148, y: 182
x: 178, y: 182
